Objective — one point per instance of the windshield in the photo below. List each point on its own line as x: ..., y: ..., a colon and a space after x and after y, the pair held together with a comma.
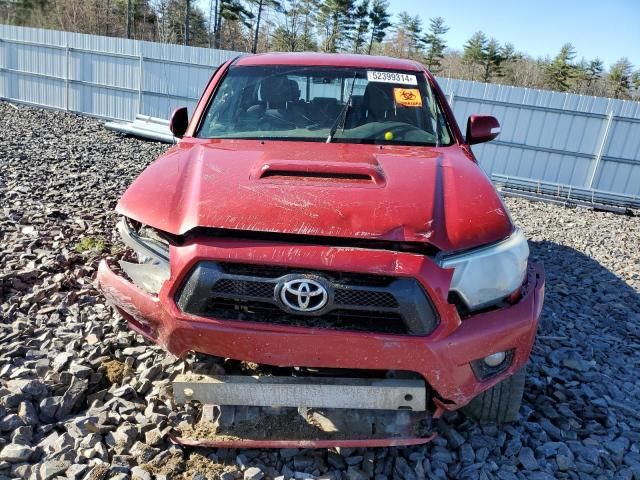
x: 346, y: 105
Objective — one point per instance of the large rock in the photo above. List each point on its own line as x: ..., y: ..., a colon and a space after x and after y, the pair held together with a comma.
x: 16, y: 453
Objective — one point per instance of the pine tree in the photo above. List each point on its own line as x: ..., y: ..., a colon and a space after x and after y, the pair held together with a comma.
x: 594, y: 71
x: 413, y: 26
x: 21, y: 10
x: 174, y: 21
x: 561, y: 70
x: 335, y: 22
x: 261, y: 5
x: 512, y: 63
x: 620, y: 78
x: 295, y: 33
x: 474, y: 51
x: 435, y: 43
x: 226, y: 10
x: 361, y: 17
x: 492, y: 58
x: 379, y: 17
x: 635, y: 81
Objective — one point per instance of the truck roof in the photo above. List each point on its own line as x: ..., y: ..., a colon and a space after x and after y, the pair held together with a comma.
x: 329, y: 60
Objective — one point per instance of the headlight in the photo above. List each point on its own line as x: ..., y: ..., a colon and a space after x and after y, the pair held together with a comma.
x: 486, y: 275
x: 152, y: 253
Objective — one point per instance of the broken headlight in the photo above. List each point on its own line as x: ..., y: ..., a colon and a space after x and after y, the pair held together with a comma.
x: 152, y: 253
x: 486, y: 275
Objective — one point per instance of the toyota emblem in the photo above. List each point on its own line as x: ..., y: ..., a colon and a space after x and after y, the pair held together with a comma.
x: 303, y: 295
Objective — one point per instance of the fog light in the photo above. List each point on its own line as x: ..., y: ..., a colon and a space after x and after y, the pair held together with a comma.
x: 495, y: 359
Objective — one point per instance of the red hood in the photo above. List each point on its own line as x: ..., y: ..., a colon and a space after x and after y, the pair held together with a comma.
x: 410, y: 194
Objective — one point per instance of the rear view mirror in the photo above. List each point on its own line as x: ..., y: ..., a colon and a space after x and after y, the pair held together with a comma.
x: 482, y: 128
x: 179, y: 122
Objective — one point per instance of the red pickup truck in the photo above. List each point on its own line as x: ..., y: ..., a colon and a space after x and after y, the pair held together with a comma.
x: 323, y: 219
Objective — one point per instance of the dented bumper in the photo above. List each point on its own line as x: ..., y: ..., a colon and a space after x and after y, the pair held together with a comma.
x: 443, y: 358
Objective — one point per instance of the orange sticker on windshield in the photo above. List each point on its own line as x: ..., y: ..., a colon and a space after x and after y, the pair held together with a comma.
x: 408, y: 97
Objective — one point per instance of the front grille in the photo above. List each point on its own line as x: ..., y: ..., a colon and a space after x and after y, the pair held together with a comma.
x: 274, y: 271
x: 355, y: 301
x: 365, y: 298
x: 343, y: 296
x: 355, y: 320
x: 243, y: 287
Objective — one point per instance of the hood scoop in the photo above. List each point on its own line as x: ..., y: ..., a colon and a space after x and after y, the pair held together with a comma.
x: 365, y: 174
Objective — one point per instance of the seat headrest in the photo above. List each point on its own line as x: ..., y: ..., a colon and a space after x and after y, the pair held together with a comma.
x: 378, y: 100
x: 277, y: 90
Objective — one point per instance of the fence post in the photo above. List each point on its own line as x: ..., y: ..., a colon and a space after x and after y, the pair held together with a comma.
x: 66, y: 77
x: 140, y: 82
x: 601, y: 147
x: 4, y: 93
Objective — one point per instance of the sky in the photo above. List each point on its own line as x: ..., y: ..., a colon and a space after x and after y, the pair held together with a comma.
x: 608, y: 29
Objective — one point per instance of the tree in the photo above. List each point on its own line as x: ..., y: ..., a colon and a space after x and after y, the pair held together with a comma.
x: 561, y: 70
x: 187, y: 12
x: 595, y: 69
x: 620, y: 78
x: 335, y: 22
x: 227, y: 10
x: 474, y: 51
x: 492, y: 59
x: 295, y: 33
x: 413, y: 27
x: 407, y: 41
x: 174, y: 21
x: 512, y: 62
x: 262, y: 4
x: 361, y: 17
x: 435, y: 43
x: 591, y: 74
x: 19, y: 12
x: 379, y: 17
x: 635, y: 81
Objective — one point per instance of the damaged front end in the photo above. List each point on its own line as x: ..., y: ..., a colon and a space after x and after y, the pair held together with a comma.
x: 147, y: 261
x: 286, y: 408
x: 369, y: 362
x: 277, y: 407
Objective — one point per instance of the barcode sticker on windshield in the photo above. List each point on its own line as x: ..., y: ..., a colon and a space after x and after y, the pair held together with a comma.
x: 392, y: 77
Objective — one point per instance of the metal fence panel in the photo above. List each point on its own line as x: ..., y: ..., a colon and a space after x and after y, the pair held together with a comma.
x: 590, y: 143
x: 587, y: 142
x: 113, y: 78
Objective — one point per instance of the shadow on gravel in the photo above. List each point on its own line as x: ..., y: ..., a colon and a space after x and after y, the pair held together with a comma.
x: 579, y: 413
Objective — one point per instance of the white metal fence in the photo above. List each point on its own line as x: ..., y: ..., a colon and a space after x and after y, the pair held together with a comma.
x: 587, y: 143
x: 111, y: 78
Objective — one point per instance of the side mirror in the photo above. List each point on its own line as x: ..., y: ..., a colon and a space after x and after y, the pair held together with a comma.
x: 179, y: 122
x: 482, y: 128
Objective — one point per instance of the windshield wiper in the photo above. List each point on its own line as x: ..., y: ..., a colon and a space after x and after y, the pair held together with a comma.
x: 342, y: 118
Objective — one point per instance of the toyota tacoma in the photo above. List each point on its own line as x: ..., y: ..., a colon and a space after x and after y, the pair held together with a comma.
x: 323, y: 245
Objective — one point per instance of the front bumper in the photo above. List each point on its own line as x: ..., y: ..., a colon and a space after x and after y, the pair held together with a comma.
x: 442, y: 358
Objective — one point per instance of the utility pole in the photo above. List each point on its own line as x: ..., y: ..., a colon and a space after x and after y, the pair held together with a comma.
x: 129, y: 15
x: 186, y: 22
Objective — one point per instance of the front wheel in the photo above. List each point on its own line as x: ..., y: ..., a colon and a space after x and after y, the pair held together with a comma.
x: 501, y: 402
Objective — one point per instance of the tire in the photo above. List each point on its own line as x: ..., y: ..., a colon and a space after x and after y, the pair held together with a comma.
x: 499, y: 404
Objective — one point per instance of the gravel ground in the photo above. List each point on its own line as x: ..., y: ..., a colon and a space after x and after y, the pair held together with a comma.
x: 82, y: 397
